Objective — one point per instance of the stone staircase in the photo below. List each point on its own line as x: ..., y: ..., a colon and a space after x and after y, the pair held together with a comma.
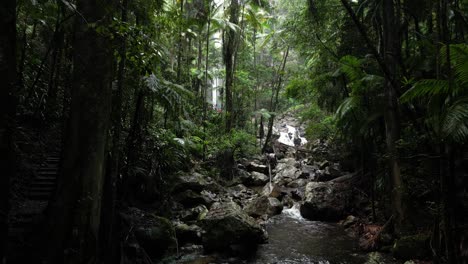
x: 26, y: 220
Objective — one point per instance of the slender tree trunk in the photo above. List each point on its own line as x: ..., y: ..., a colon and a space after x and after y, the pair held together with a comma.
x: 51, y: 98
x: 8, y: 102
x: 274, y: 103
x: 199, y: 65
x: 254, y: 44
x: 75, y: 213
x: 207, y: 56
x: 445, y: 180
x: 228, y: 54
x: 392, y: 47
x: 180, y: 47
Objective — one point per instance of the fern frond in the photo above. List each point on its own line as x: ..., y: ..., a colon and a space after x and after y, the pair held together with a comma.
x: 455, y: 123
x: 426, y: 88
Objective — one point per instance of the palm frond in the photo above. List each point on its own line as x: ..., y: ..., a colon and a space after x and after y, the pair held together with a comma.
x: 426, y: 88
x: 455, y: 123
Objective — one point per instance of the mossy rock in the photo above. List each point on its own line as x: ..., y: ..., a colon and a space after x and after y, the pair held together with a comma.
x: 412, y: 247
x: 158, y: 237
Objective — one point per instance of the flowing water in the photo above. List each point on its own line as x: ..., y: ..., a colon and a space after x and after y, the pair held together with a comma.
x: 293, y: 239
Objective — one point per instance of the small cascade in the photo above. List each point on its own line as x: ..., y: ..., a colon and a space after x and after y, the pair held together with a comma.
x: 291, y: 137
x: 293, y: 212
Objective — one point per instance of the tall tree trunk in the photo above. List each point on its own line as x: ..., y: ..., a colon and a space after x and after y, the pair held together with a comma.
x: 180, y: 47
x: 8, y: 102
x: 110, y: 239
x: 75, y: 213
x: 205, y: 89
x: 446, y: 152
x: 392, y: 48
x: 274, y: 100
x: 228, y: 55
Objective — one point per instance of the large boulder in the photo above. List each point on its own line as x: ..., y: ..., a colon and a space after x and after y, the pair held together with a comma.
x: 255, y: 179
x: 194, y: 214
x: 253, y: 166
x: 188, y: 233
x: 240, y: 194
x: 156, y: 236
x: 326, y: 201
x: 227, y: 225
x: 263, y: 205
x: 287, y: 171
x: 272, y: 190
x: 195, y: 182
x: 190, y: 198
x: 298, y: 183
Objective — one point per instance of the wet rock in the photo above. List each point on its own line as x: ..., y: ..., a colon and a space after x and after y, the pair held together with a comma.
x: 193, y: 214
x: 325, y: 201
x: 157, y: 237
x: 349, y: 221
x: 412, y: 247
x: 226, y: 224
x: 298, y: 183
x: 374, y: 258
x: 187, y: 233
x: 253, y: 166
x: 308, y: 171
x: 322, y: 165
x: 191, y: 198
x: 272, y: 190
x: 287, y: 171
x: 240, y: 193
x: 256, y: 179
x: 195, y: 182
x: 287, y: 201
x: 298, y: 194
x: 263, y: 205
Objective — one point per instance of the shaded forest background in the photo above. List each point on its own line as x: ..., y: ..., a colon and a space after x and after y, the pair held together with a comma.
x: 122, y: 92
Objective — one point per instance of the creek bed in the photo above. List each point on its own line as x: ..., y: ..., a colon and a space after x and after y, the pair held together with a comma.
x: 293, y: 239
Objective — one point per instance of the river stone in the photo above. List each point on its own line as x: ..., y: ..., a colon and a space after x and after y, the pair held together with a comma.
x: 325, y: 201
x: 256, y: 179
x: 226, y: 225
x: 187, y: 233
x: 195, y: 182
x: 297, y: 183
x: 286, y: 172
x: 263, y: 205
x: 197, y: 213
x: 156, y: 236
x: 253, y: 166
x: 190, y: 198
x: 271, y: 190
x: 349, y: 221
x: 374, y: 258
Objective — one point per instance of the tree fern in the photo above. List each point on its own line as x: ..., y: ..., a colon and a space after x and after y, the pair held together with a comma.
x: 455, y: 123
x: 425, y: 88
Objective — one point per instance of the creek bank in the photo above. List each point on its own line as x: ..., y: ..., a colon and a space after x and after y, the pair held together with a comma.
x: 216, y: 220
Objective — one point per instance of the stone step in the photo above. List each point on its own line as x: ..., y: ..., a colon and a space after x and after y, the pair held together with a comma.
x: 39, y: 195
x: 45, y: 178
x: 44, y: 173
x: 35, y: 189
x: 42, y: 183
x: 16, y: 231
x: 48, y: 168
x: 22, y: 223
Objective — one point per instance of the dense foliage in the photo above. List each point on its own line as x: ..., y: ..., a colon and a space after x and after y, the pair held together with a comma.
x: 129, y: 93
